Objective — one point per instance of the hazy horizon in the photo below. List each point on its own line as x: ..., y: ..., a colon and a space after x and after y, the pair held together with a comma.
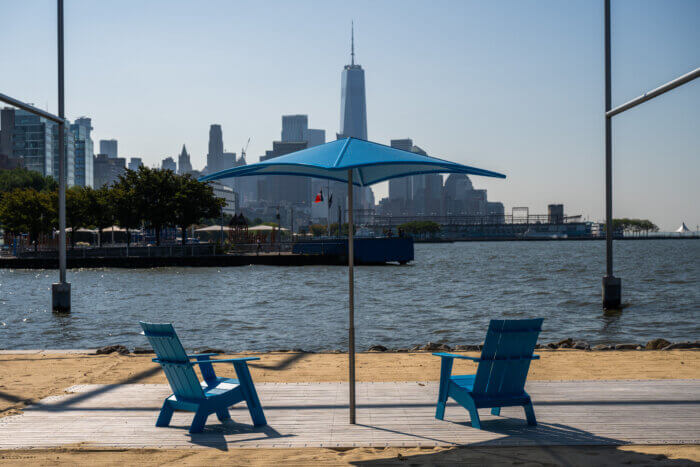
x: 510, y: 86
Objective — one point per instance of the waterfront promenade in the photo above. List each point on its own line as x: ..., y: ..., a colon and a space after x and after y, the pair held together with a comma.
x: 69, y: 403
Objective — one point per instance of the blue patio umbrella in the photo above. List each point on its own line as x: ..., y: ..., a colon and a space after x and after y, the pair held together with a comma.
x: 358, y: 163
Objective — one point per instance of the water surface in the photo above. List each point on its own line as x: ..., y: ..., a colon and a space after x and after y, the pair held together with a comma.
x: 447, y: 295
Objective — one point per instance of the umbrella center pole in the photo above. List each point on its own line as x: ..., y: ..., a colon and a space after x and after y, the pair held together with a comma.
x: 351, y: 300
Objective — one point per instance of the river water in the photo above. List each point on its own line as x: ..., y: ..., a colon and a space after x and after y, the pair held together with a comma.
x: 448, y: 294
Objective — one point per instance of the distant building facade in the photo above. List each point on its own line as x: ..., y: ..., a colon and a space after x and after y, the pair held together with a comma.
x: 83, y: 152
x: 108, y: 169
x: 135, y: 163
x: 230, y: 197
x: 169, y: 164
x: 184, y: 165
x: 109, y: 147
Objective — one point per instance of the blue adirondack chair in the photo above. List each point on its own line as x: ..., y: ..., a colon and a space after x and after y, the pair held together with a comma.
x: 214, y: 395
x: 500, y: 378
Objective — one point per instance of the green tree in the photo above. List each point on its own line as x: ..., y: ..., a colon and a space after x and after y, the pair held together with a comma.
x: 420, y: 228
x: 155, y: 192
x: 124, y: 202
x: 318, y: 229
x: 23, y: 178
x: 76, y: 210
x: 28, y: 211
x: 194, y: 201
x: 99, y: 212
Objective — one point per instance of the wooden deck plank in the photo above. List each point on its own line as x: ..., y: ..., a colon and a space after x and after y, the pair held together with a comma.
x: 389, y: 414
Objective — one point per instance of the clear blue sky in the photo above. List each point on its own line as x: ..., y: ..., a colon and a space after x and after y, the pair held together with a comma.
x: 512, y: 86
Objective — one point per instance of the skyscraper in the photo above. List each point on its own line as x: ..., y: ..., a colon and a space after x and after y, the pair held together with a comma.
x: 216, y: 149
x: 353, y: 109
x: 353, y: 119
x: 109, y: 147
x: 135, y: 163
x: 83, y: 152
x: 183, y: 162
x: 294, y: 127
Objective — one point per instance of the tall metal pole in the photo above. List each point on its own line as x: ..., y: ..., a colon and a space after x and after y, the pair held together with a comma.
x: 351, y: 301
x: 611, y: 284
x: 60, y: 293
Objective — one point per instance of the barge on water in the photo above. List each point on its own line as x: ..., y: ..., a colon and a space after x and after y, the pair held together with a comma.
x: 368, y: 250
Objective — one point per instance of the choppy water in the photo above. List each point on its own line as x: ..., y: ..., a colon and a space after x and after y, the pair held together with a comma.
x: 447, y: 295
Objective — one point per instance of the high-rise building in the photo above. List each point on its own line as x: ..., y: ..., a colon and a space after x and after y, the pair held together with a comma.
x: 294, y: 127
x: 32, y: 141
x: 107, y: 169
x: 284, y: 188
x: 353, y: 109
x: 135, y: 163
x: 169, y: 164
x: 400, y: 189
x: 69, y: 146
x: 315, y: 137
x: 109, y: 147
x: 184, y: 166
x: 7, y: 127
x: 216, y: 149
x: 83, y: 152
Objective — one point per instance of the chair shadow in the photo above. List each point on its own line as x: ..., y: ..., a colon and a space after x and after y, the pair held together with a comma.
x: 213, y: 435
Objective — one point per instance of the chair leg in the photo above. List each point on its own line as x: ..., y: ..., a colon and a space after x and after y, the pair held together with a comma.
x: 166, y: 414
x: 445, y: 372
x: 250, y: 395
x: 496, y: 411
x: 223, y: 414
x: 530, y: 414
x: 474, y: 415
x: 200, y: 419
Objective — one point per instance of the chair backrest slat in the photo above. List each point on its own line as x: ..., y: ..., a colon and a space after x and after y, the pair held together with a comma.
x: 176, y: 365
x: 506, y: 356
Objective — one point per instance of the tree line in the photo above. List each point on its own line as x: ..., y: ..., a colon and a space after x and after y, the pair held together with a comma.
x: 634, y: 225
x: 153, y: 198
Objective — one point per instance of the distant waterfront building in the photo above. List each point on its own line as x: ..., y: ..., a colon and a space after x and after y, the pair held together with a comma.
x: 109, y: 147
x: 32, y: 141
x: 230, y: 196
x: 555, y: 213
x: 69, y: 143
x: 184, y: 165
x: 83, y: 152
x: 169, y: 164
x: 135, y: 163
x: 107, y: 169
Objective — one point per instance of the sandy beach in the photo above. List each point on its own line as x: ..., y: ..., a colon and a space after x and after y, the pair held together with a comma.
x: 28, y: 377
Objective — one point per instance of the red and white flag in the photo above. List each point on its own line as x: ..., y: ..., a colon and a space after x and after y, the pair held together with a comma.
x: 319, y: 197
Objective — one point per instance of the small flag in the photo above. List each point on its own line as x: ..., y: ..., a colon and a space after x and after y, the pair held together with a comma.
x: 330, y: 200
x: 319, y: 197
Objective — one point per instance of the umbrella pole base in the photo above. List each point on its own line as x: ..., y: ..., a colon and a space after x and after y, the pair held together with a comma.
x: 60, y: 297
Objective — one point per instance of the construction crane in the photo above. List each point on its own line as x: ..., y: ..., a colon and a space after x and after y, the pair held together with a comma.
x: 243, y: 150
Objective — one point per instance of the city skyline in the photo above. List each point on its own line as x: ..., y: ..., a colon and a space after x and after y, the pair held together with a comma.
x: 528, y: 104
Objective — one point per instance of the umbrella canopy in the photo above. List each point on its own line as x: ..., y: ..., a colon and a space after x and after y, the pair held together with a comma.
x: 368, y: 162
x: 356, y: 162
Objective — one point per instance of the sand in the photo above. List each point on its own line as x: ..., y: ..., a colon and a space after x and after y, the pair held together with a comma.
x: 26, y: 378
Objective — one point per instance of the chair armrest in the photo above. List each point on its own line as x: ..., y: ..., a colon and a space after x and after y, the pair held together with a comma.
x: 201, y: 355
x: 454, y: 355
x: 226, y: 360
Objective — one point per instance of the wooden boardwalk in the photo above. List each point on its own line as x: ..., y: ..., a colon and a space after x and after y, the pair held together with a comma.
x: 389, y: 414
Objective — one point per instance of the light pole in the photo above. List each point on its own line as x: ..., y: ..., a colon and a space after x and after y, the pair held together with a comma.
x: 60, y: 292
x: 612, y: 288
